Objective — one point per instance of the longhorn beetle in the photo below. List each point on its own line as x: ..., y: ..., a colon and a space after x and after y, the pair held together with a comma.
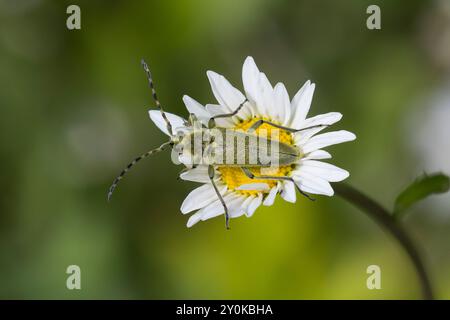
x: 210, y: 148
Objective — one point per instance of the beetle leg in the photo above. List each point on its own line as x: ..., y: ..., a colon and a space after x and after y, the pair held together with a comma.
x: 211, y: 177
x: 258, y: 123
x: 212, y: 122
x: 249, y: 174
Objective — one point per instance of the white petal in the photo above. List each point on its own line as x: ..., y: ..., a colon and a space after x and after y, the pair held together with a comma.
x: 326, y: 119
x: 200, y: 197
x: 264, y: 83
x: 299, y: 94
x: 324, y: 170
x: 311, y: 184
x: 288, y: 191
x: 186, y: 159
x: 175, y: 121
x: 256, y: 202
x: 264, y: 96
x: 215, y: 109
x: 301, y: 102
x: 215, y: 208
x: 317, y: 155
x: 300, y: 138
x: 246, y: 111
x: 250, y: 79
x: 258, y: 89
x: 196, y: 108
x: 265, y: 104
x: 249, y: 110
x: 270, y: 198
x: 282, y: 105
x: 233, y: 202
x: 236, y: 207
x: 254, y: 186
x: 193, y: 220
x: 225, y: 93
x: 247, y: 202
x: 198, y: 174
x: 328, y: 139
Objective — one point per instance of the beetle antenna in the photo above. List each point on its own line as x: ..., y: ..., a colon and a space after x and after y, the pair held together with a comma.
x: 132, y: 163
x: 155, y: 97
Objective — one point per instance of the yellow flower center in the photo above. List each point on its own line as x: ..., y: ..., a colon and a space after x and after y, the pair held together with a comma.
x: 234, y: 177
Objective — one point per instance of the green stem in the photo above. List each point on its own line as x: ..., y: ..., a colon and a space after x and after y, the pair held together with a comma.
x: 385, y: 219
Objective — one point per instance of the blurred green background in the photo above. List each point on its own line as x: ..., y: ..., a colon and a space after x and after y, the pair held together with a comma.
x: 74, y: 112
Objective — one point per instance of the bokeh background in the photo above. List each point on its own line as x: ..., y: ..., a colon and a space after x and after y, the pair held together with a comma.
x: 74, y: 112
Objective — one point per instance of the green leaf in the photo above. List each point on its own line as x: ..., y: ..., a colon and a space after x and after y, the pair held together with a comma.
x: 421, y: 188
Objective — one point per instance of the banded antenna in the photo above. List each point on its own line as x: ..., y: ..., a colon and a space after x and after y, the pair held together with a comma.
x: 155, y: 97
x: 149, y: 153
x: 132, y: 163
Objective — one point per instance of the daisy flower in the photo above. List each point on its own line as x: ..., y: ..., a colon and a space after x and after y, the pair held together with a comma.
x: 241, y: 194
